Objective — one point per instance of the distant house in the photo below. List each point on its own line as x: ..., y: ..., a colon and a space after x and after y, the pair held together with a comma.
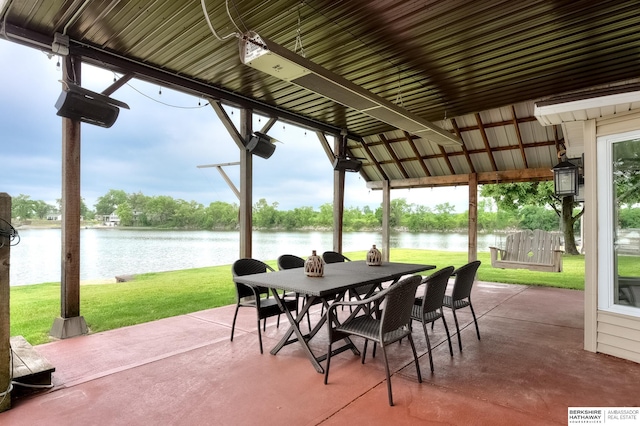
x: 109, y: 219
x: 54, y: 216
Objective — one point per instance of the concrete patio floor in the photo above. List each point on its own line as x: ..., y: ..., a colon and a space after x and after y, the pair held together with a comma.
x: 528, y: 369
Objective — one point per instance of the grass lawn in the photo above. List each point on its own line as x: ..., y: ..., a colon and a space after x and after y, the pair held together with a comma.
x: 159, y: 295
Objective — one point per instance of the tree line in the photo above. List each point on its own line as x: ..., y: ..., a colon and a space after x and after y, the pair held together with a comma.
x: 497, y: 210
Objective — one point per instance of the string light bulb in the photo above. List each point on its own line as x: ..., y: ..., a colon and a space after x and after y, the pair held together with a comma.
x: 58, y: 64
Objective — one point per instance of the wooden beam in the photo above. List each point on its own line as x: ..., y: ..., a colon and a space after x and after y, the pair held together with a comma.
x: 508, y: 176
x: 485, y: 139
x: 519, y: 137
x: 473, y: 218
x: 446, y: 159
x: 375, y: 163
x: 238, y: 138
x: 117, y: 84
x: 5, y: 323
x: 338, y: 200
x: 325, y: 146
x: 268, y: 125
x: 224, y: 175
x: 414, y: 148
x: 393, y: 155
x: 386, y: 220
x: 70, y: 323
x: 246, y: 186
x: 464, y: 147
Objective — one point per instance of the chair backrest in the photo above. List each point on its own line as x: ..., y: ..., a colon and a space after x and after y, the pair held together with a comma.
x: 289, y: 261
x: 247, y: 267
x: 435, y: 287
x: 334, y: 257
x: 465, y: 276
x: 398, y: 304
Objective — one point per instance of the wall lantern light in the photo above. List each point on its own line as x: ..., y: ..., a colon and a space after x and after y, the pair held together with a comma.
x: 565, y: 179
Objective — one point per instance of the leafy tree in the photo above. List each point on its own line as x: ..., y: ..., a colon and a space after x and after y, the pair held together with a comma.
x: 125, y: 213
x: 220, y: 215
x: 325, y: 216
x: 444, y: 216
x: 514, y: 196
x: 22, y: 207
x: 160, y: 210
x: 108, y: 203
x: 42, y: 209
x: 265, y: 215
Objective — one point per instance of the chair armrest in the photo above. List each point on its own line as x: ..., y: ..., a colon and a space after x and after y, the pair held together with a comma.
x: 377, y: 296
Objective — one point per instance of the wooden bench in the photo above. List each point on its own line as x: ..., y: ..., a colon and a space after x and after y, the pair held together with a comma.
x: 29, y: 367
x: 535, y: 250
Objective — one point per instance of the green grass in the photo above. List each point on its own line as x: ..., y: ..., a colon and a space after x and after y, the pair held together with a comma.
x: 159, y: 295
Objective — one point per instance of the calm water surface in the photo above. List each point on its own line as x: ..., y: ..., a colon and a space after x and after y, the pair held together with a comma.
x: 105, y: 253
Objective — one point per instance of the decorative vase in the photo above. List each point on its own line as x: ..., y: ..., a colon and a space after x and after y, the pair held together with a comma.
x: 374, y: 257
x: 314, y: 265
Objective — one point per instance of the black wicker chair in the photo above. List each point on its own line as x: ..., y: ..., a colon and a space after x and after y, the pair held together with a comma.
x: 251, y: 296
x: 356, y: 293
x: 461, y: 295
x: 334, y: 257
x: 428, y: 308
x: 394, y: 323
x: 289, y: 261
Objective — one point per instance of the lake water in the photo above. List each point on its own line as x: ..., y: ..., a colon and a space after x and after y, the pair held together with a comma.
x: 105, y: 253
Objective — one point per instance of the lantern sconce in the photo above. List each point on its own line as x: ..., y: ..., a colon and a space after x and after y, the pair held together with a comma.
x: 567, y: 177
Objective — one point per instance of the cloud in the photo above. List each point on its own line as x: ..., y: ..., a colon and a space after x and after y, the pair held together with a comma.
x: 156, y: 146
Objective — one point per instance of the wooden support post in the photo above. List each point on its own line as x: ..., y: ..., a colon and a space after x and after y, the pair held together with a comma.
x: 473, y: 217
x: 338, y: 199
x: 5, y: 332
x: 246, y: 186
x: 386, y: 220
x: 70, y: 323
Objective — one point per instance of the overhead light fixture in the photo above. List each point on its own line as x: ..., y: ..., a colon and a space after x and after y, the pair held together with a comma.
x: 565, y: 179
x: 347, y: 164
x: 90, y: 107
x: 273, y: 59
x: 261, y: 144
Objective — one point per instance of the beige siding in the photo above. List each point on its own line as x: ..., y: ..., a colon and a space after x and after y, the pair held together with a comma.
x: 618, y: 124
x: 619, y: 335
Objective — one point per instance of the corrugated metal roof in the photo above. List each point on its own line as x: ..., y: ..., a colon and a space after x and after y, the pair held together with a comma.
x: 472, y: 67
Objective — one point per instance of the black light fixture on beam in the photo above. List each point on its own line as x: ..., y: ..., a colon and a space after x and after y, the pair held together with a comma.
x: 90, y: 107
x: 565, y: 178
x: 261, y: 144
x: 347, y: 164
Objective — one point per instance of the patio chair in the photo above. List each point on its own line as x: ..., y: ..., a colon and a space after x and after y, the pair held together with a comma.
x: 461, y: 294
x: 251, y: 296
x: 428, y: 308
x: 334, y: 257
x: 356, y: 293
x: 393, y: 325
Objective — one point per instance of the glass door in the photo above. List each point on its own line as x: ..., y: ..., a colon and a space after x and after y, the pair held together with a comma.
x: 625, y: 158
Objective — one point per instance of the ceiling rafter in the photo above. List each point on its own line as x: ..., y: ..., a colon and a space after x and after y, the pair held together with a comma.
x: 419, y: 158
x: 381, y: 171
x: 464, y: 146
x: 487, y: 146
x: 516, y: 126
x: 446, y: 160
x: 393, y: 155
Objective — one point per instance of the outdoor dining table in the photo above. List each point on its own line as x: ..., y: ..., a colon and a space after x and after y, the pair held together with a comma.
x: 338, y: 279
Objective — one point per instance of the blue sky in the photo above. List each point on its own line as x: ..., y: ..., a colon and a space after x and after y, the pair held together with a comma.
x: 156, y: 146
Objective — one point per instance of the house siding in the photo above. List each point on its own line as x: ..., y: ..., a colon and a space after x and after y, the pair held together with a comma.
x: 617, y: 334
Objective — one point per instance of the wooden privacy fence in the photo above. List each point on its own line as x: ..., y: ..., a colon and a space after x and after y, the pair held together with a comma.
x: 535, y: 250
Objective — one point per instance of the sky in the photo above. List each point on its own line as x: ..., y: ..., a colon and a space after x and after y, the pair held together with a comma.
x: 156, y: 146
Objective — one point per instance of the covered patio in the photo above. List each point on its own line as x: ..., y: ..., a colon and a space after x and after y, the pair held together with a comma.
x: 528, y: 369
